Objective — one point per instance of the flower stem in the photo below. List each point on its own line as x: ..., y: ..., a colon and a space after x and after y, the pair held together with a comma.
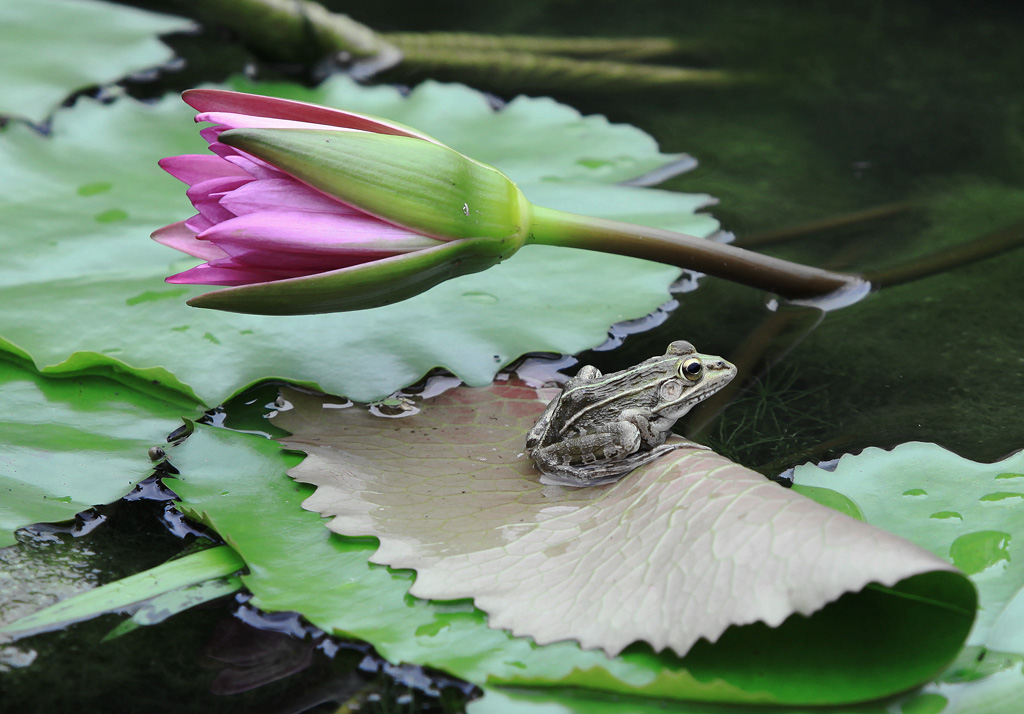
x: 790, y: 280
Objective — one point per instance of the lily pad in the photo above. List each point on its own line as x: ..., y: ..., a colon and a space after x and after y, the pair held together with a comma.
x: 969, y: 513
x: 450, y: 494
x: 83, y: 285
x: 69, y: 444
x: 566, y: 701
x: 50, y: 48
x: 236, y: 483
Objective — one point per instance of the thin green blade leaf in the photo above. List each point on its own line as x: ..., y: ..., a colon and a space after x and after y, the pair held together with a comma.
x: 193, y: 569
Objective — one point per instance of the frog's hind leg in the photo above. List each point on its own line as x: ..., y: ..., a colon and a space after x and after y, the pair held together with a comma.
x: 592, y: 449
x: 597, y: 473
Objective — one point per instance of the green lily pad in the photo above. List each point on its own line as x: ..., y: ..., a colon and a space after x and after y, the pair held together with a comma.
x: 969, y: 513
x: 51, y: 48
x: 83, y: 283
x: 69, y: 444
x: 503, y: 700
x: 450, y: 494
x: 236, y: 483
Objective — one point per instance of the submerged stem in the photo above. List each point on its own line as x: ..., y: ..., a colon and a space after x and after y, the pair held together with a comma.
x: 986, y: 246
x: 824, y: 225
x: 790, y: 280
x: 295, y: 30
x: 622, y: 48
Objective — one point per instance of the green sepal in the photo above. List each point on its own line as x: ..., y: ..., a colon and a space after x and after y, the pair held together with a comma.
x: 425, y: 187
x: 365, y: 286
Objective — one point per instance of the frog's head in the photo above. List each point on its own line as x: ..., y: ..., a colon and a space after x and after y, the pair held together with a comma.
x: 694, y: 377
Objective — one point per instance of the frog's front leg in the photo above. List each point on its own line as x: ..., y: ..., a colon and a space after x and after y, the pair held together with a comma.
x: 654, y: 429
x: 650, y: 430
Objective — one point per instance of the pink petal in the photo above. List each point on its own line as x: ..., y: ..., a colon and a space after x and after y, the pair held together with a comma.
x: 206, y: 196
x: 257, y: 168
x: 210, y: 133
x: 290, y: 264
x: 198, y: 223
x: 277, y: 271
x: 206, y: 275
x: 178, y: 236
x: 316, y: 234
x: 281, y: 194
x: 230, y: 120
x: 219, y: 100
x: 193, y: 168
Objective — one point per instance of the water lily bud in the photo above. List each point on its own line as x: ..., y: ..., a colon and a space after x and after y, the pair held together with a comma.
x: 425, y: 187
x: 305, y: 209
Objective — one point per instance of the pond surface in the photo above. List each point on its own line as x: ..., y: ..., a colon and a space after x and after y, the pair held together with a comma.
x: 869, y: 136
x: 862, y: 139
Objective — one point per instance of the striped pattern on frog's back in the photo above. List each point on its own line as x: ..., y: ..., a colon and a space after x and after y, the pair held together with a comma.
x: 637, y: 386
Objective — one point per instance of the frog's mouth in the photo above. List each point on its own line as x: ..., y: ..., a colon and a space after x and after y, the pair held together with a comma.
x: 705, y: 391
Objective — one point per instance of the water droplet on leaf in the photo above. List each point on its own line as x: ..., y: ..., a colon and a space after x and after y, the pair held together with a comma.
x: 1002, y: 496
x: 974, y: 552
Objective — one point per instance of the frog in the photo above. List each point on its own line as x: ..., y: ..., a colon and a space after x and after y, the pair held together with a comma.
x: 600, y: 426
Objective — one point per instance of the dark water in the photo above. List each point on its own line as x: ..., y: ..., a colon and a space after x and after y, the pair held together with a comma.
x: 910, y: 108
x: 864, y: 136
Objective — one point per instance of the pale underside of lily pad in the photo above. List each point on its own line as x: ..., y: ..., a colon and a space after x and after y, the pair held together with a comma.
x: 677, y: 551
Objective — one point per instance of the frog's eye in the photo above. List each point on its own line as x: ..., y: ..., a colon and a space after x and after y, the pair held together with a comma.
x: 691, y: 369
